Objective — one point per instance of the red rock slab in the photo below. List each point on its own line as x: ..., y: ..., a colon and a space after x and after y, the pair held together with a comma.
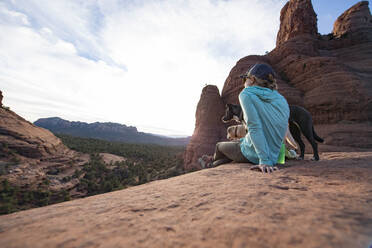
x: 305, y: 204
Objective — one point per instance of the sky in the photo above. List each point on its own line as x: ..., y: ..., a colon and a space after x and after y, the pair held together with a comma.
x: 140, y: 63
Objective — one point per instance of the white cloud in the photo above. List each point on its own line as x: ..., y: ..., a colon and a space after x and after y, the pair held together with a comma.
x: 68, y: 59
x: 12, y: 17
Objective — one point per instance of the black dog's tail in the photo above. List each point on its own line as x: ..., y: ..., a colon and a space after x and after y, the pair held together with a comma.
x: 316, y: 137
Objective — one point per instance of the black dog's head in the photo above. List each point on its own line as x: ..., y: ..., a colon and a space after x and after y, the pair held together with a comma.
x: 232, y: 112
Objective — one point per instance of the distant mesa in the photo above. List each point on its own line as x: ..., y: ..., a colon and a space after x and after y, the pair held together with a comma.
x: 330, y: 75
x: 107, y: 131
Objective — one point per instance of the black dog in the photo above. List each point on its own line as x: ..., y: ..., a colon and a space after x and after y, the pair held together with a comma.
x: 233, y: 112
x: 300, y: 120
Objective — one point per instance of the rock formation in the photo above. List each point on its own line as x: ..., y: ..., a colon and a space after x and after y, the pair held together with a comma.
x: 297, y: 18
x: 330, y: 75
x: 352, y: 20
x: 333, y: 74
x: 208, y: 127
x: 25, y: 139
x: 306, y: 204
x: 30, y: 152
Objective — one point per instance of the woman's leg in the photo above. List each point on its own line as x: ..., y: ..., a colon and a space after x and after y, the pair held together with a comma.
x: 228, y: 151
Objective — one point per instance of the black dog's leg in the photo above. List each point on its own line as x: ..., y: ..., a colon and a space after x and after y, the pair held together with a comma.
x: 310, y: 137
x: 296, y: 133
x: 307, y: 130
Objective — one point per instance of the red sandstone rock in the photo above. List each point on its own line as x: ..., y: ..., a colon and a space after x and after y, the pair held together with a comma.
x: 31, y: 152
x: 333, y: 75
x: 305, y: 204
x: 209, y: 128
x: 353, y: 19
x: 297, y: 18
x: 26, y: 139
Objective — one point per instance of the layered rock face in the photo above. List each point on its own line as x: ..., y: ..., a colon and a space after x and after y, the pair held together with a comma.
x: 31, y: 155
x: 208, y: 127
x: 330, y: 75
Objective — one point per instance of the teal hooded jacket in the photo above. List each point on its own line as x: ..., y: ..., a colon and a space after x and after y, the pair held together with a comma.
x: 266, y: 114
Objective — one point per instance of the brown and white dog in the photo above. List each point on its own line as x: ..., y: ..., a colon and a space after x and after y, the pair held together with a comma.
x: 236, y: 132
x: 239, y: 131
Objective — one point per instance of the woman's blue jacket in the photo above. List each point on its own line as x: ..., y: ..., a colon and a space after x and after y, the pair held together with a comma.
x: 266, y: 114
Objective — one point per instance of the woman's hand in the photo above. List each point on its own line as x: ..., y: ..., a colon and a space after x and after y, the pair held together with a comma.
x: 265, y: 168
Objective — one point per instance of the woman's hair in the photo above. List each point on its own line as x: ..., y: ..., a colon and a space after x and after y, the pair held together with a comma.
x: 271, y: 83
x: 263, y: 76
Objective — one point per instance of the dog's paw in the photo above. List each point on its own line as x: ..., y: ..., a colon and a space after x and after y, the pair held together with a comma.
x: 205, y: 161
x: 201, y: 162
x: 314, y: 159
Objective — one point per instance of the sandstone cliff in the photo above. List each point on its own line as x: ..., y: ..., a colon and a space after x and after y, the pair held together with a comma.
x: 330, y: 75
x: 25, y: 139
x: 28, y: 153
x: 306, y: 204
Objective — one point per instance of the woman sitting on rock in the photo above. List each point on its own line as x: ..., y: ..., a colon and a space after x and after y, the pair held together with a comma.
x: 266, y: 114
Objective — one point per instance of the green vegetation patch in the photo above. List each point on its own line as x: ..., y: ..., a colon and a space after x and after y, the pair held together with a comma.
x: 143, y: 163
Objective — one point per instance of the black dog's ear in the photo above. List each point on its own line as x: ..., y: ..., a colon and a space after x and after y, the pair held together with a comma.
x: 228, y: 105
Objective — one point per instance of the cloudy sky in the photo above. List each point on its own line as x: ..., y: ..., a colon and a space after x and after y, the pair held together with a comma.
x: 141, y: 63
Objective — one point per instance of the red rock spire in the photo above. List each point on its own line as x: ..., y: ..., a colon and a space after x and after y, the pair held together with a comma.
x: 297, y: 17
x: 209, y: 128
